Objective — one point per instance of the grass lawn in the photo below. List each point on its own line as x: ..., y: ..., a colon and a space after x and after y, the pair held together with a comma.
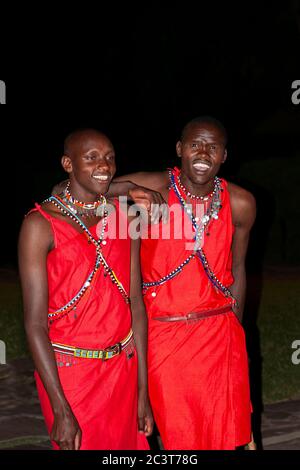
x: 278, y: 322
x: 279, y: 326
x: 11, y: 320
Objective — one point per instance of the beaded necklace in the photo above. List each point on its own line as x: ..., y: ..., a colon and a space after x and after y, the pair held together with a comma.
x: 66, y: 210
x: 100, y: 260
x: 193, y: 196
x: 82, y: 209
x: 212, y: 213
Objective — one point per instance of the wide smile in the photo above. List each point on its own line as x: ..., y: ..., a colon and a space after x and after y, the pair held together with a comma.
x: 105, y: 178
x: 201, y: 166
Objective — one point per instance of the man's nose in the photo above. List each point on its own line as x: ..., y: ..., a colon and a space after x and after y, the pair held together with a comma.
x: 202, y: 147
x: 102, y: 164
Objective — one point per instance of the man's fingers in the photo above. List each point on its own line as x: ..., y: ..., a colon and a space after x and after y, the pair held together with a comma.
x: 161, y: 200
x: 164, y: 213
x: 143, y: 202
x: 139, y: 195
x: 152, y: 206
x: 141, y: 425
x: 78, y: 440
x: 148, y: 427
x: 155, y: 213
x: 159, y: 212
x: 66, y: 445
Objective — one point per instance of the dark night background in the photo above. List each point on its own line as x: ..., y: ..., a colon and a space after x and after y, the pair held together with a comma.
x: 139, y: 74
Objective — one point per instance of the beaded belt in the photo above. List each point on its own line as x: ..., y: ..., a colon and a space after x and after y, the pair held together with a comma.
x: 103, y: 354
x: 196, y: 315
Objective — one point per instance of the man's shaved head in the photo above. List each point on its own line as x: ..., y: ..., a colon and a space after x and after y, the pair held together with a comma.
x: 211, y: 121
x: 89, y: 159
x: 81, y: 136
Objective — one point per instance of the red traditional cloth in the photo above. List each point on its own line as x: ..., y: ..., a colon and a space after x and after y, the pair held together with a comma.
x: 102, y: 395
x: 198, y: 370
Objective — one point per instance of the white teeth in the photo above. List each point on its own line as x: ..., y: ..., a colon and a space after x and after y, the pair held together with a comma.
x: 201, y: 166
x: 101, y: 178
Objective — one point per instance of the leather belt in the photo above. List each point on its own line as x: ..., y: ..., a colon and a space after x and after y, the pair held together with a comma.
x: 102, y: 354
x: 196, y: 315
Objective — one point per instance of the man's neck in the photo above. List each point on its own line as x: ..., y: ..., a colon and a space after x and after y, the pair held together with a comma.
x: 197, y: 189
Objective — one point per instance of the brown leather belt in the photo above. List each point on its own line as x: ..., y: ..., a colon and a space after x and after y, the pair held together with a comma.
x: 197, y: 315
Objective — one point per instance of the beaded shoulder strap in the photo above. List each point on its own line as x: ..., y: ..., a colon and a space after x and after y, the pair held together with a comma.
x: 100, y: 260
x: 213, y: 215
x: 198, y: 251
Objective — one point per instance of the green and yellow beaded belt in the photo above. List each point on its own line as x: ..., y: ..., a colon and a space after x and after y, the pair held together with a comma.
x: 102, y: 354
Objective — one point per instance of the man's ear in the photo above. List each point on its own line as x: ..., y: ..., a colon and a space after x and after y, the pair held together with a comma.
x: 178, y: 148
x: 224, y: 156
x: 67, y: 164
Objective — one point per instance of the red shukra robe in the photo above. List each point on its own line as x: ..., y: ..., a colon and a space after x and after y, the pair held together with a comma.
x: 102, y: 395
x: 198, y: 370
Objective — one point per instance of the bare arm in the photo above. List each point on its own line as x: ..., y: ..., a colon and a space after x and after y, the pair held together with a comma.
x: 143, y: 188
x: 140, y: 330
x: 122, y: 185
x: 154, y: 180
x: 35, y: 242
x: 243, y: 208
x: 146, y: 189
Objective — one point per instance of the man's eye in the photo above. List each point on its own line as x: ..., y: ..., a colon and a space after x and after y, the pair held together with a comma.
x: 213, y: 147
x: 90, y: 157
x: 194, y: 145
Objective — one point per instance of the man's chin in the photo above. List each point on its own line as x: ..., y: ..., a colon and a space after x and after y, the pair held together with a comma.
x: 102, y: 188
x: 200, y: 179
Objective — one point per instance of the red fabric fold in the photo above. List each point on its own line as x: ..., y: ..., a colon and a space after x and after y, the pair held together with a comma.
x: 102, y: 395
x: 198, y: 371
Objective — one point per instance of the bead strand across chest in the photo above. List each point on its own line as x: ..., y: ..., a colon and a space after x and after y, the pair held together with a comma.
x: 100, y: 260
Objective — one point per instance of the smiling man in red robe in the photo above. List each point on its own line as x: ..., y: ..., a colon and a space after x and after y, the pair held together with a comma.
x: 198, y: 366
x: 79, y: 280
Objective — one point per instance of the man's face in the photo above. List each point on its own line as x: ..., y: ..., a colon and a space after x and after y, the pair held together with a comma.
x: 202, y: 151
x: 91, y: 162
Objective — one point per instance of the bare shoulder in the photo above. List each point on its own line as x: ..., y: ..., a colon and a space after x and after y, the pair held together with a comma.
x: 34, y: 224
x: 243, y: 205
x: 239, y: 195
x: 50, y: 208
x: 34, y: 219
x: 53, y: 211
